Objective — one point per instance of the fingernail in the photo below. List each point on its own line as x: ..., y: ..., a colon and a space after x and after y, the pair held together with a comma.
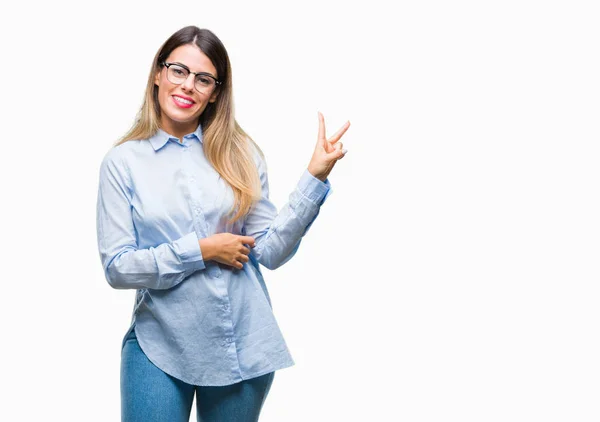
x: 344, y: 151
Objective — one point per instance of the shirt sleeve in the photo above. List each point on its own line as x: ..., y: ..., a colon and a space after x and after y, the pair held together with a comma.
x: 125, y: 265
x: 277, y: 235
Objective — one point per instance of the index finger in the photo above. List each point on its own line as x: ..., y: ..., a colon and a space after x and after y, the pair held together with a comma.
x: 336, y: 137
x: 248, y: 240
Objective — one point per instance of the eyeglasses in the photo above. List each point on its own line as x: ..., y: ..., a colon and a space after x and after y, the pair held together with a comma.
x: 178, y: 73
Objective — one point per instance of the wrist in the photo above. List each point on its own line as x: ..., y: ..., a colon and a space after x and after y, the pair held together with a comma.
x: 317, y: 175
x: 207, y: 249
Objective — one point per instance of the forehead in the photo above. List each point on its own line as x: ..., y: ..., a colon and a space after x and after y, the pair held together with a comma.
x: 191, y: 56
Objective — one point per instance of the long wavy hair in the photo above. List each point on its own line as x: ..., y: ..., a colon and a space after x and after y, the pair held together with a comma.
x: 226, y: 146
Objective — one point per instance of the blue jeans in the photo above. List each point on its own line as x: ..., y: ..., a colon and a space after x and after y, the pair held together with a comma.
x: 150, y: 395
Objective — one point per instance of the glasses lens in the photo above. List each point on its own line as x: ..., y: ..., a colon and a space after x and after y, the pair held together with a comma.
x: 204, y: 83
x: 177, y: 74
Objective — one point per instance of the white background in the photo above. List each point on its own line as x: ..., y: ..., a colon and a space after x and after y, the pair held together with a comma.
x: 451, y: 276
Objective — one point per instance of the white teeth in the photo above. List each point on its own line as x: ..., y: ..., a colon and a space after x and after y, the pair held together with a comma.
x: 181, y: 100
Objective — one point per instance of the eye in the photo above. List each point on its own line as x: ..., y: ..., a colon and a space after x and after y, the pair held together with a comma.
x: 204, y: 80
x: 178, y: 71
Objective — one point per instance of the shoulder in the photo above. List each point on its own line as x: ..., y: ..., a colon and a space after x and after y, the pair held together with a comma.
x: 123, y: 154
x: 257, y: 155
x: 118, y: 160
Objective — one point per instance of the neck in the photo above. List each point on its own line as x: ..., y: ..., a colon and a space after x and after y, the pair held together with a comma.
x: 178, y: 130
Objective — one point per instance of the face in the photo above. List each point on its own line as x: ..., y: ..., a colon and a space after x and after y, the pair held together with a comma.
x: 181, y: 105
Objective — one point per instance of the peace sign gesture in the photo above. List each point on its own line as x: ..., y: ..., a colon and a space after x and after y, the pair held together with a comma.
x: 327, y: 151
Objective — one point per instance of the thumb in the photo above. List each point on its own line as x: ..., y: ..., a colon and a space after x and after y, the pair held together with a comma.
x: 335, y: 154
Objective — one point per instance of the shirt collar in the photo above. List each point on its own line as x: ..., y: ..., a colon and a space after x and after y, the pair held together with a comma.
x: 160, y: 138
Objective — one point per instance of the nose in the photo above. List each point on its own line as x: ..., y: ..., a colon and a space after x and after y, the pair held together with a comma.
x: 188, y: 84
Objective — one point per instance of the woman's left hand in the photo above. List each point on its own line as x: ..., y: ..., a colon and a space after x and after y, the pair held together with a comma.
x: 327, y: 151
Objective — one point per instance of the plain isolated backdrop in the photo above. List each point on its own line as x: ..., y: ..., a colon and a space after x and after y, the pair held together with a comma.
x: 451, y: 276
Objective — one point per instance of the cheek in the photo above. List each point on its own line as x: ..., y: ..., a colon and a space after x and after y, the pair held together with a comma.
x: 163, y: 96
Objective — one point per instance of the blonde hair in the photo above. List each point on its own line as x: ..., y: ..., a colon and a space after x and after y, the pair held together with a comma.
x: 227, y: 147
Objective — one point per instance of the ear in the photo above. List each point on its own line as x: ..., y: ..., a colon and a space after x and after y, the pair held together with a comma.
x: 157, y: 78
x: 214, y: 95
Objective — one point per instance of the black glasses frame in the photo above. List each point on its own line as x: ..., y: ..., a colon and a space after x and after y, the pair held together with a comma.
x: 167, y: 65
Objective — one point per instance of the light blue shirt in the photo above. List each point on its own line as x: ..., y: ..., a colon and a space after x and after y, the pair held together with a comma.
x: 202, y: 322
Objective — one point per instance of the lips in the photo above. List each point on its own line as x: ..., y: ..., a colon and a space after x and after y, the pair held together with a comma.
x: 181, y: 101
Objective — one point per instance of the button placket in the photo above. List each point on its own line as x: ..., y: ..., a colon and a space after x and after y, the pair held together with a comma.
x: 199, y: 221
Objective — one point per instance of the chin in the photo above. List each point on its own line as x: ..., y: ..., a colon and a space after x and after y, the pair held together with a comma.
x: 183, y: 117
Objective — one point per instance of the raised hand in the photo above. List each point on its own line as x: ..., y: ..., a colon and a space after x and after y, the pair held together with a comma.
x: 327, y: 151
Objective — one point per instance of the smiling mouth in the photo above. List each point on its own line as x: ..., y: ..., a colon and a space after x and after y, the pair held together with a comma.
x: 182, y: 101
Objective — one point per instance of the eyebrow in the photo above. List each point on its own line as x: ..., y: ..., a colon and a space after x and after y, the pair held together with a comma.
x: 188, y: 69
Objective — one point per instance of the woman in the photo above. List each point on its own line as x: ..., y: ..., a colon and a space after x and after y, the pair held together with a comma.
x: 184, y: 217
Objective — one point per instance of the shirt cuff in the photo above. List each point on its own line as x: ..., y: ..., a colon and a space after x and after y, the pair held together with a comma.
x: 313, y: 188
x: 188, y: 250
